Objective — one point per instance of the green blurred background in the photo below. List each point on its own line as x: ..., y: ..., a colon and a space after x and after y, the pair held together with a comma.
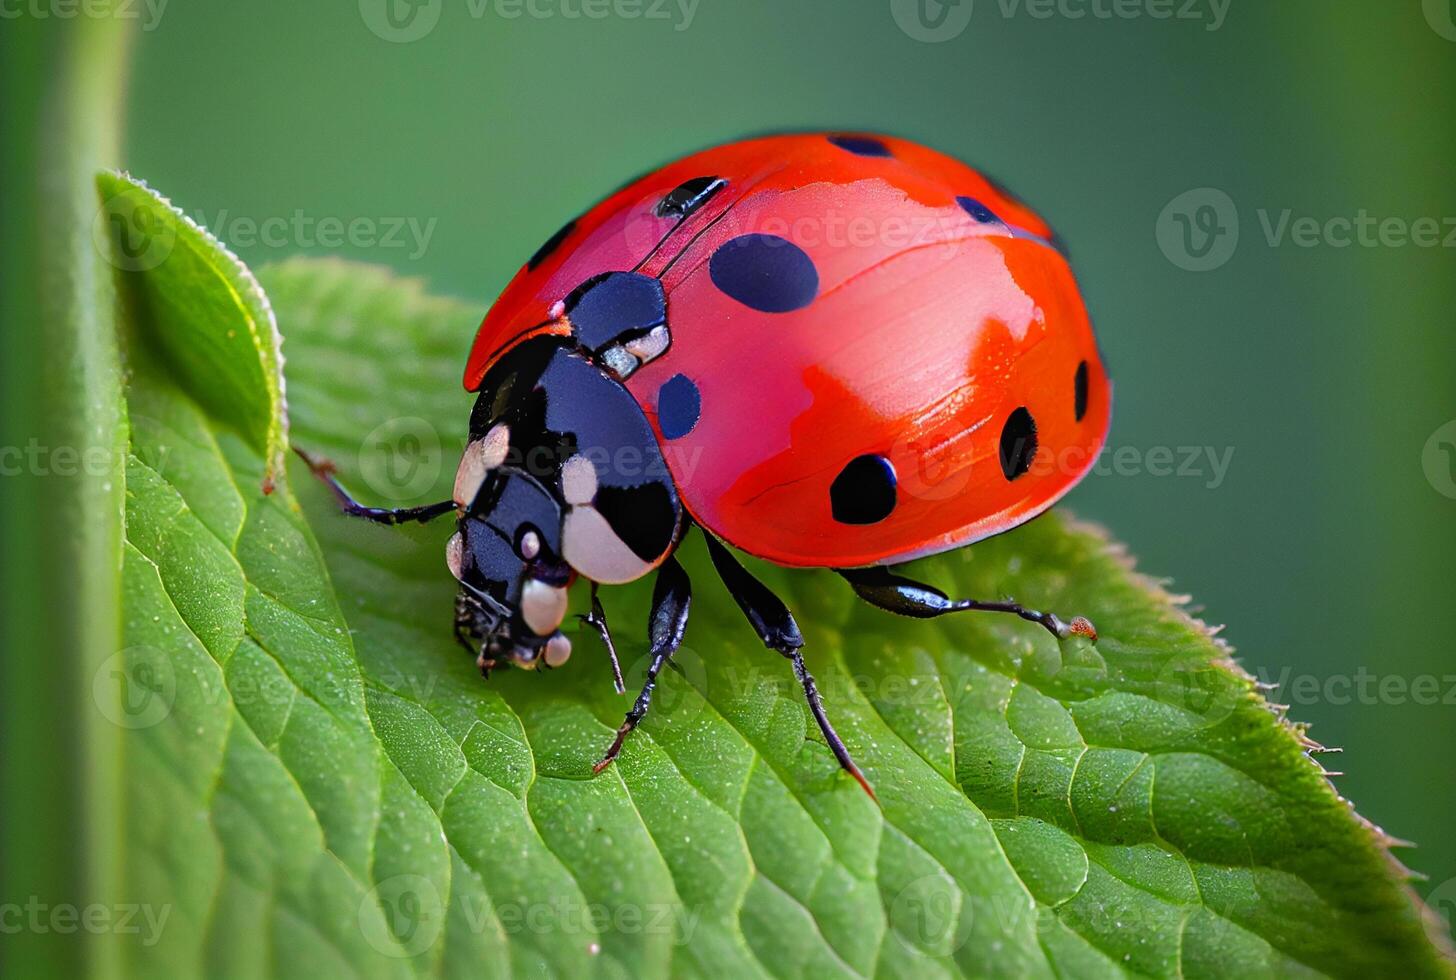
x: 1325, y: 370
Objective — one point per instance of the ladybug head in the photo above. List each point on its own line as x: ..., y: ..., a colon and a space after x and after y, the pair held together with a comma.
x: 506, y: 555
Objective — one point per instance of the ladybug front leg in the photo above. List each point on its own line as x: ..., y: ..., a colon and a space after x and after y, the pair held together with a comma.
x: 597, y: 620
x: 671, y: 596
x: 880, y: 587
x: 775, y: 625
x: 324, y: 470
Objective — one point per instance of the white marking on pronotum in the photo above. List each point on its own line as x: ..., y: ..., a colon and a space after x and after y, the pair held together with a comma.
x: 620, y: 361
x: 543, y: 606
x: 530, y: 545
x: 455, y: 555
x: 590, y: 546
x: 481, y: 456
x: 650, y: 345
x: 578, y: 480
x: 558, y: 651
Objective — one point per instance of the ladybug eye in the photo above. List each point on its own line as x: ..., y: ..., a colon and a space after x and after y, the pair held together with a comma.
x: 530, y: 544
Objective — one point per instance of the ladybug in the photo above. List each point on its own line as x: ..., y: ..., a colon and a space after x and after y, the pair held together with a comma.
x: 826, y: 350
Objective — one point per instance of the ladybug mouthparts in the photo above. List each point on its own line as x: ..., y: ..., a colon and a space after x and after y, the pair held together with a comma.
x: 514, y: 638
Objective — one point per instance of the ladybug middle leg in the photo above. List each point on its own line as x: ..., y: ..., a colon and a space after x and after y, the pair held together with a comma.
x: 880, y: 587
x: 671, y: 598
x: 775, y: 626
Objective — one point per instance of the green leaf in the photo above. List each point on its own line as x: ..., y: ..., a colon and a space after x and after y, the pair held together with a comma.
x: 199, y: 310
x: 320, y: 782
x: 61, y: 522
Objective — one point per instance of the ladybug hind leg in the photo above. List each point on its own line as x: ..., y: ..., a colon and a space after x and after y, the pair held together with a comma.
x: 775, y: 626
x: 880, y: 587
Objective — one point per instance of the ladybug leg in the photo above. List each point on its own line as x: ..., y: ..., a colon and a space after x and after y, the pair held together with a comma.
x: 775, y: 626
x: 880, y: 587
x: 324, y: 470
x: 597, y: 620
x: 671, y: 597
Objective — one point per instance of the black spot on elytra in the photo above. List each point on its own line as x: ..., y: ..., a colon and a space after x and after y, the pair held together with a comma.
x: 678, y: 406
x: 765, y: 272
x: 550, y: 245
x: 864, y: 491
x: 1079, y: 391
x: 863, y: 146
x: 977, y: 210
x: 644, y: 517
x: 1018, y: 443
x: 687, y: 197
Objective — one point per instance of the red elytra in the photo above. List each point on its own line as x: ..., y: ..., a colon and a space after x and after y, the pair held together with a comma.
x: 936, y: 326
